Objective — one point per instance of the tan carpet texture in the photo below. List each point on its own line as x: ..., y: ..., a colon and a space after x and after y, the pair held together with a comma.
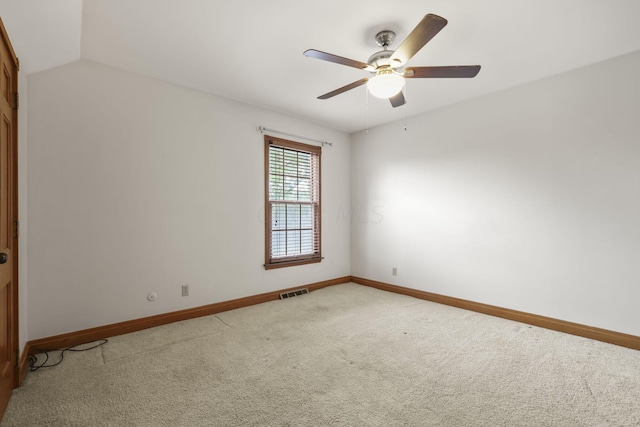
x: 346, y: 355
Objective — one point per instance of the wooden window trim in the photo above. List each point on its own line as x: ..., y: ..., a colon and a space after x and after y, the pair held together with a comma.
x: 302, y: 259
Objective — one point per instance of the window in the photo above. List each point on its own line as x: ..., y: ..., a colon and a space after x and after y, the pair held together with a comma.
x: 292, y: 178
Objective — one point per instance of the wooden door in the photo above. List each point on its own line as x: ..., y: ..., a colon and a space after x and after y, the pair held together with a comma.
x: 8, y: 221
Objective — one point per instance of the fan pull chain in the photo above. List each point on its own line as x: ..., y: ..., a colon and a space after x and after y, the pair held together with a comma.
x: 405, y: 108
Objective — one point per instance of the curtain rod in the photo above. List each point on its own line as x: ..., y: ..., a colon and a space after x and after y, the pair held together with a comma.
x: 263, y: 129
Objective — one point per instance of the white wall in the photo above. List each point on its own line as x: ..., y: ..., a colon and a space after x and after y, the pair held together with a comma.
x: 136, y: 185
x: 527, y: 199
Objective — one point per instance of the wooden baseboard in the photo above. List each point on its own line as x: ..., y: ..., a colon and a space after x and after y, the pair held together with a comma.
x: 102, y: 332
x: 611, y: 337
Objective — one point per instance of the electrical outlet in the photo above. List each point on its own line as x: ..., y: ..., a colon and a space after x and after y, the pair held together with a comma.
x: 185, y: 290
x: 394, y: 271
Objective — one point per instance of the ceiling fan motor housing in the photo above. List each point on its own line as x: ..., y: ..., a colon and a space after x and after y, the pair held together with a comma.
x: 380, y: 59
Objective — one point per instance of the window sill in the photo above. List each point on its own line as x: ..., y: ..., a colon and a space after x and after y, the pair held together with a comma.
x: 291, y: 263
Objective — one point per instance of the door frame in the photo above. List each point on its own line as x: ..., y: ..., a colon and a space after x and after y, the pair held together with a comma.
x: 13, y: 318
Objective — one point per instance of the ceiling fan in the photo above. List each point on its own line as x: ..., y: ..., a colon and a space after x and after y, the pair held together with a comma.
x: 388, y: 66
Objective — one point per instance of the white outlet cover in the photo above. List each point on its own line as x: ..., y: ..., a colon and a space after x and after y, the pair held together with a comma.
x: 152, y: 296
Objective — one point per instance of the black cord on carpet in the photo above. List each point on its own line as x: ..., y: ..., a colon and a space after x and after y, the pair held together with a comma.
x: 33, y: 359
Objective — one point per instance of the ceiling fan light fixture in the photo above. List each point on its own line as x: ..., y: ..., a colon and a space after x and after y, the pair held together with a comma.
x: 385, y: 84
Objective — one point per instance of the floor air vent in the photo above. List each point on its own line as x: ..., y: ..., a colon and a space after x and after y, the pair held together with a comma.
x: 295, y: 293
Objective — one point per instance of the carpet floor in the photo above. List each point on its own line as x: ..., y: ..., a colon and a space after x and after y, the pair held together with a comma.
x: 346, y: 355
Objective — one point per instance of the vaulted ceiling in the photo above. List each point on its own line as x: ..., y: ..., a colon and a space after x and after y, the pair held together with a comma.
x: 251, y: 50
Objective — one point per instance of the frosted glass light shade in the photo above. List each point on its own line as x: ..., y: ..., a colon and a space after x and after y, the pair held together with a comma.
x: 385, y: 84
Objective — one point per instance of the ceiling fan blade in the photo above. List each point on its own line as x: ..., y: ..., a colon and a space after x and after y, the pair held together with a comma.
x: 423, y: 32
x: 453, y: 71
x: 343, y: 89
x: 397, y: 99
x: 312, y: 53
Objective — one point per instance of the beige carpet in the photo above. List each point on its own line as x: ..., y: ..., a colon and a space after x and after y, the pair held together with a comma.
x: 346, y: 355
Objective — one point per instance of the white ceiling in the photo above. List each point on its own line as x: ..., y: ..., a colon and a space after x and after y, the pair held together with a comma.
x: 251, y: 50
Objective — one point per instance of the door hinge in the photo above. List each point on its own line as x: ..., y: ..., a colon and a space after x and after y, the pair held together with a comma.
x: 16, y: 100
x: 17, y: 354
x: 17, y: 228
